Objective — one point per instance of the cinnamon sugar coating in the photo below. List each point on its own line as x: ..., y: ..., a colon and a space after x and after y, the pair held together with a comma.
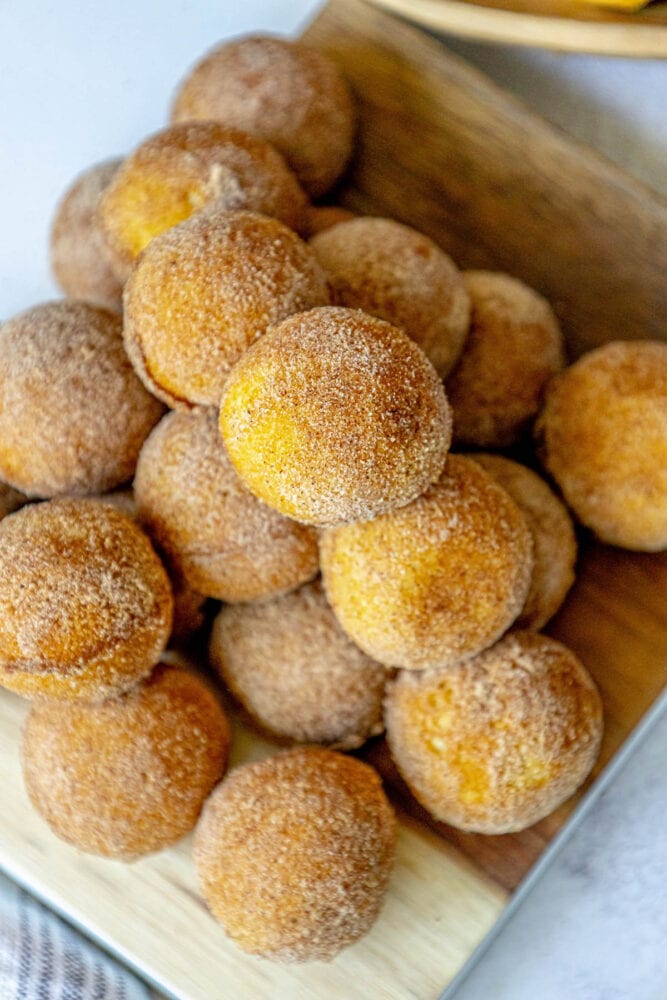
x: 81, y: 260
x: 603, y: 437
x: 295, y: 671
x: 215, y: 535
x: 434, y: 582
x: 85, y: 603
x: 514, y: 346
x: 335, y: 416
x: 127, y: 776
x: 204, y: 291
x: 322, y: 217
x: 294, y: 853
x: 122, y: 500
x: 181, y: 169
x: 391, y: 271
x: 554, y: 541
x: 188, y: 604
x: 73, y: 414
x: 283, y: 92
x: 499, y: 742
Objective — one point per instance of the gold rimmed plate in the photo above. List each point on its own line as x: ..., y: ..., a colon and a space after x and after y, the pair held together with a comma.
x: 564, y: 25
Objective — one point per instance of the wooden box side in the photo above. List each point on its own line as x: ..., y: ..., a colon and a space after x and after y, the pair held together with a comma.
x: 444, y: 149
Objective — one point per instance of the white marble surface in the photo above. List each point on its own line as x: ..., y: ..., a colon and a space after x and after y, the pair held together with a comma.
x: 619, y: 106
x: 594, y: 926
x: 83, y: 81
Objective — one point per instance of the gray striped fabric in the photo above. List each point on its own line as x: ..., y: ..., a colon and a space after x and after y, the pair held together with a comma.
x: 42, y: 958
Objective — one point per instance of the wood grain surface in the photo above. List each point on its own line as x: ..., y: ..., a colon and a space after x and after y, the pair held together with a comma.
x: 444, y: 150
x: 149, y: 912
x: 615, y: 619
x: 565, y: 25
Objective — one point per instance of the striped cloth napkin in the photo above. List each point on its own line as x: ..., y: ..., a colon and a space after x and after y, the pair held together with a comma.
x: 42, y: 958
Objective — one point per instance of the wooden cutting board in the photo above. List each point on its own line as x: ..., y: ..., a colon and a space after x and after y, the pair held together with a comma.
x: 597, y: 26
x: 441, y: 148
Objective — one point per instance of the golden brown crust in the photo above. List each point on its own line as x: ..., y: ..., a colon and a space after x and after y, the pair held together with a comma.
x: 335, y: 416
x: 73, y: 414
x: 391, y: 271
x: 514, y: 346
x: 122, y: 500
x: 499, y: 742
x: 128, y: 776
x: 181, y: 169
x: 281, y: 91
x: 294, y: 853
x: 85, y: 603
x: 554, y: 540
x: 189, y: 605
x: 603, y: 437
x: 215, y: 535
x: 322, y: 217
x: 82, y: 262
x: 436, y: 581
x: 295, y: 671
x: 204, y: 291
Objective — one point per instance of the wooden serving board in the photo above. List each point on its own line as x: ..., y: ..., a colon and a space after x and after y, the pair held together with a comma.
x: 596, y: 26
x: 441, y: 148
